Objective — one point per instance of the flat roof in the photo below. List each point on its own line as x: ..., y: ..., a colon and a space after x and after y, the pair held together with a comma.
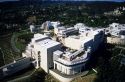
x: 58, y: 52
x: 47, y: 43
x: 38, y: 35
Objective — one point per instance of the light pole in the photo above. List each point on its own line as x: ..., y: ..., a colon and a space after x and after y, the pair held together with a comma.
x: 94, y: 70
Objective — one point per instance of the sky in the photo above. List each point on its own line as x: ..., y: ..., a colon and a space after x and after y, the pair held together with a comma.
x: 75, y: 0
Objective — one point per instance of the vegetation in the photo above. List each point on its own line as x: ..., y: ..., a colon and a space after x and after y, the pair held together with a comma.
x: 19, y: 15
x: 16, y: 17
x: 6, y: 48
x: 110, y: 69
x: 38, y: 76
x: 22, y: 39
x: 1, y: 58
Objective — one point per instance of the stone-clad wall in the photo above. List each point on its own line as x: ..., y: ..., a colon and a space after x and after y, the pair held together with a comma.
x: 115, y: 40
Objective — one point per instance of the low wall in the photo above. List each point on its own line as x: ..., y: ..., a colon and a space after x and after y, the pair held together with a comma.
x: 59, y: 77
x: 66, y: 78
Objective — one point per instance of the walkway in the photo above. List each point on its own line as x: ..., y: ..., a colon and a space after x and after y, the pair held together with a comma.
x: 13, y: 44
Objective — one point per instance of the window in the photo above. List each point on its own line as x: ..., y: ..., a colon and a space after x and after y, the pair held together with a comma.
x: 38, y: 52
x: 55, y: 66
x: 32, y: 46
x: 39, y: 59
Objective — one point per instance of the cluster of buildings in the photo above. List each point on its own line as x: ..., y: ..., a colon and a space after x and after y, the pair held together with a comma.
x: 116, y: 29
x: 68, y: 53
x: 116, y: 32
x: 65, y: 54
x: 46, y: 26
x: 116, y: 12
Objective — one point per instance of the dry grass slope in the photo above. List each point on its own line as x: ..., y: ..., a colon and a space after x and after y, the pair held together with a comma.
x: 88, y: 78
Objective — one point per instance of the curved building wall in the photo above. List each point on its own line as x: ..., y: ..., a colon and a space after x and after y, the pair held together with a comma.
x: 69, y: 70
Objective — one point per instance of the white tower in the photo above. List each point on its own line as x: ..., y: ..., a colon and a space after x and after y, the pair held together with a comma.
x: 32, y: 28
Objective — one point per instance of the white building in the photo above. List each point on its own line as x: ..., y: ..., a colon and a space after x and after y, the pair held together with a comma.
x: 49, y: 54
x: 49, y: 25
x: 55, y: 24
x: 63, y: 31
x: 73, y: 61
x: 41, y: 49
x: 80, y: 25
x: 57, y: 30
x: 88, y: 38
x: 118, y: 30
x: 69, y: 62
x: 32, y: 28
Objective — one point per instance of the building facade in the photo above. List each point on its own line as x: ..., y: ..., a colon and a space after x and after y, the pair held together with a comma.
x: 69, y: 57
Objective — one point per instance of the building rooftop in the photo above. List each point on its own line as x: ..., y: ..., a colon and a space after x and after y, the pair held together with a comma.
x: 116, y: 29
x: 39, y: 37
x: 80, y: 25
x: 58, y: 52
x: 86, y: 36
x: 71, y: 58
x: 47, y: 43
x: 80, y: 38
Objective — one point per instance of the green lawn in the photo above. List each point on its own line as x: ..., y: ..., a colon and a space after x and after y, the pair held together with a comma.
x: 22, y: 39
x: 6, y: 47
x: 38, y: 76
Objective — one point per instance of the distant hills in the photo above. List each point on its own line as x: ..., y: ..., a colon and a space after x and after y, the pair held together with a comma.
x: 66, y: 0
x: 88, y: 0
x: 8, y: 0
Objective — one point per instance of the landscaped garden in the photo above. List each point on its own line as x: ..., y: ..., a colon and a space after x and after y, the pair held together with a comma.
x: 22, y: 39
x: 7, y: 53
